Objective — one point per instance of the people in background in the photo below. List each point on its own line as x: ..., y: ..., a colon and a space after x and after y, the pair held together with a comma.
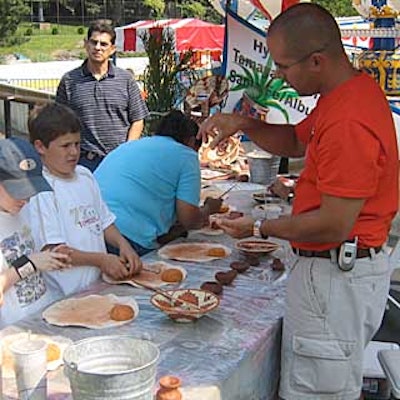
x: 152, y: 183
x: 23, y: 290
x: 106, y: 98
x: 74, y: 212
x: 346, y: 198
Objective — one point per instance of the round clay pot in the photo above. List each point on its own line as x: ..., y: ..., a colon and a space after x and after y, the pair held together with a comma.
x: 226, y: 278
x: 240, y: 266
x: 169, y: 388
x: 213, y: 287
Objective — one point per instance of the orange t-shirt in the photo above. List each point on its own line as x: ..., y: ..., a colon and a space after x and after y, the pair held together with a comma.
x: 351, y: 152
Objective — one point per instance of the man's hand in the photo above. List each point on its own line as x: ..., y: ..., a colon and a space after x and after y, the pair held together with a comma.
x: 279, y: 189
x: 50, y: 260
x: 219, y: 127
x: 114, y: 267
x: 238, y: 228
x: 130, y: 258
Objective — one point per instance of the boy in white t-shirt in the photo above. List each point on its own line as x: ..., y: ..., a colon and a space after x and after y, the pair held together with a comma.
x: 74, y: 213
x: 22, y: 288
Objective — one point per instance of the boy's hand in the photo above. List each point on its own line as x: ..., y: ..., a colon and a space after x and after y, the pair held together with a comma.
x: 50, y: 260
x: 130, y: 258
x: 114, y: 267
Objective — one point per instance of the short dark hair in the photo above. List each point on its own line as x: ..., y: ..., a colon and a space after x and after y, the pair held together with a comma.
x: 178, y: 126
x: 102, y: 26
x: 49, y: 121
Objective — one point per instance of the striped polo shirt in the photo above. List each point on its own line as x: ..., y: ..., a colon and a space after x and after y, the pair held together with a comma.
x: 106, y: 107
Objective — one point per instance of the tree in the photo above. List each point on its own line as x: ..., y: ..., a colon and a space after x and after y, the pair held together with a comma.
x: 338, y: 8
x: 11, y: 14
x: 156, y: 6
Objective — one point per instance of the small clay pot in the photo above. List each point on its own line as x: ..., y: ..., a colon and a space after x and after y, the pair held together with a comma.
x: 169, y: 388
x: 213, y: 287
x: 277, y: 265
x: 252, y: 259
x: 226, y: 278
x: 240, y: 266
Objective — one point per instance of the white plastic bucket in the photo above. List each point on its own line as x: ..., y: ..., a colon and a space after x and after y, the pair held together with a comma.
x: 263, y: 167
x: 111, y: 368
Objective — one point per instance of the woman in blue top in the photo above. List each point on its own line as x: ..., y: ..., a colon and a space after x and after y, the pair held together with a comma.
x: 153, y: 183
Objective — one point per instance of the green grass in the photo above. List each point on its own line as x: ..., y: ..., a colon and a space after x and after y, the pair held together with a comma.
x: 42, y: 45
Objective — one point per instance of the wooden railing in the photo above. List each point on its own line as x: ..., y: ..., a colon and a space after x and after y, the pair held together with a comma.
x: 11, y: 95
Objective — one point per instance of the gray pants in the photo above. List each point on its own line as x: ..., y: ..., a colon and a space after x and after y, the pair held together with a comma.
x: 329, y: 319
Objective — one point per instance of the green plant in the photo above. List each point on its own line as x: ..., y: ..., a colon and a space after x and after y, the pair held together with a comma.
x: 263, y: 88
x: 161, y: 77
x: 54, y: 31
x: 81, y: 30
x: 28, y: 32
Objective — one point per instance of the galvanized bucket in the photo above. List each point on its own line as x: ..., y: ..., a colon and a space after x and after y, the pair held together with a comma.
x: 263, y: 167
x: 111, y: 368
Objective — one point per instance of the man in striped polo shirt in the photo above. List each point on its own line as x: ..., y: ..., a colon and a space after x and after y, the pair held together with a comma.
x: 106, y: 98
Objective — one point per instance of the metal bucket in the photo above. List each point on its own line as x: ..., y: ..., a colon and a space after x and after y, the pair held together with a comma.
x: 111, y: 368
x: 263, y: 167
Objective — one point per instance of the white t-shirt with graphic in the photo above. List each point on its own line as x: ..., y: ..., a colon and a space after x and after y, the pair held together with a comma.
x: 31, y: 294
x: 75, y: 214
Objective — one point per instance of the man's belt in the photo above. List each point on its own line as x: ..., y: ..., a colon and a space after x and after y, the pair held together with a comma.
x: 361, y: 253
x: 90, y: 155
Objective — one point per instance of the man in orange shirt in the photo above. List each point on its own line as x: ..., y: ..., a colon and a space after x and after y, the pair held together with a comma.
x: 346, y: 198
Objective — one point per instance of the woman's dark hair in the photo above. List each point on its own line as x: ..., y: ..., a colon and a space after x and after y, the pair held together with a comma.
x: 178, y: 126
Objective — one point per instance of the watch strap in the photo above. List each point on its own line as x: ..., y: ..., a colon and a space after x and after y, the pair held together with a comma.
x: 24, y: 267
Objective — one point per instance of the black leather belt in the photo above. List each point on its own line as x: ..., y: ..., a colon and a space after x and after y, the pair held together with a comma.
x: 361, y: 253
x: 90, y: 155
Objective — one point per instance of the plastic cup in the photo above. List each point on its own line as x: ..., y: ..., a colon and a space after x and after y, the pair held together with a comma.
x: 30, y: 363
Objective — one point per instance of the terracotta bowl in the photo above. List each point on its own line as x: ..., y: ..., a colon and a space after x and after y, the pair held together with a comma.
x: 202, y: 300
x: 226, y: 277
x: 214, y: 287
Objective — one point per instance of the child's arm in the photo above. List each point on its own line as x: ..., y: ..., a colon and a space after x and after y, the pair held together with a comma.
x: 109, y: 264
x: 24, y: 266
x: 126, y: 253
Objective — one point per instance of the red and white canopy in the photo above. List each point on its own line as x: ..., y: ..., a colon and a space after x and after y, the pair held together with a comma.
x: 189, y: 33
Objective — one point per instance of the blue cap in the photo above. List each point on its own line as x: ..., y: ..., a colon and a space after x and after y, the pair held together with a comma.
x: 21, y: 169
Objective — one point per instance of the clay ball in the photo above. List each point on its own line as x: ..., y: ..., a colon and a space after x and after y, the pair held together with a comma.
x: 277, y: 265
x: 213, y: 287
x: 226, y: 278
x: 240, y: 266
x: 252, y: 259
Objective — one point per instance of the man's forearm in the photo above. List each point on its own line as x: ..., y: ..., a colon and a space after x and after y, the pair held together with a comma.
x: 136, y: 129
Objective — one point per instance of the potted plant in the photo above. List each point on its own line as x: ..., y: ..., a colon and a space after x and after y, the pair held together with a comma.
x: 162, y: 86
x: 262, y: 91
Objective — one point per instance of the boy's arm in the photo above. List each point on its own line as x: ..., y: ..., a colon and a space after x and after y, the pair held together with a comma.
x: 126, y: 253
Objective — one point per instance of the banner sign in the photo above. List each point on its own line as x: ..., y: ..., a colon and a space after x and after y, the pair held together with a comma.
x: 253, y: 89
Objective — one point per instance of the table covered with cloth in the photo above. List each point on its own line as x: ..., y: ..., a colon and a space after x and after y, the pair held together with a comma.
x: 232, y: 353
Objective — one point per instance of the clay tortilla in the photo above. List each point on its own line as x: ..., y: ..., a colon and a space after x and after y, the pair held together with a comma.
x: 89, y: 312
x: 194, y: 251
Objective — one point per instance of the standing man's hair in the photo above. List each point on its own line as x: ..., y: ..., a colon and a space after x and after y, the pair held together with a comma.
x: 102, y: 26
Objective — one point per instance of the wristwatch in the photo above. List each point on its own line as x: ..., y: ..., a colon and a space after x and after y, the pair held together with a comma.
x: 257, y: 228
x: 24, y: 267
